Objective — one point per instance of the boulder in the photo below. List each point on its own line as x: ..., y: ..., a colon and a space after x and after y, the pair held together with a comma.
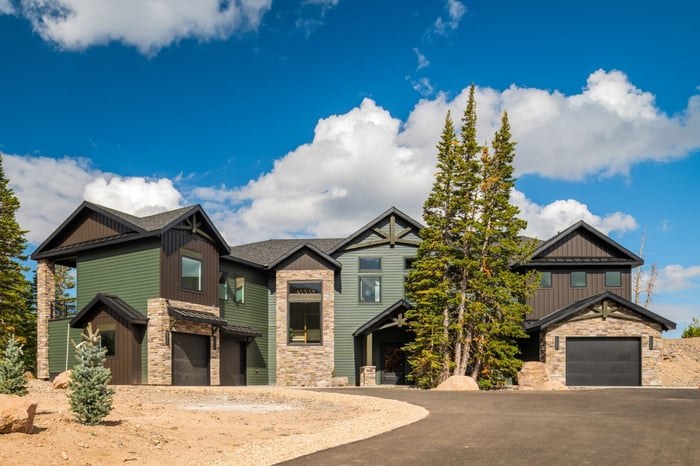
x: 62, y: 379
x: 458, y: 382
x: 16, y: 414
x: 339, y: 381
x: 534, y: 376
x: 552, y: 385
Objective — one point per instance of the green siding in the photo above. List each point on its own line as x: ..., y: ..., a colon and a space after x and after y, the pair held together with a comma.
x: 350, y: 314
x: 131, y: 272
x: 272, y: 331
x: 251, y: 313
x: 61, y: 338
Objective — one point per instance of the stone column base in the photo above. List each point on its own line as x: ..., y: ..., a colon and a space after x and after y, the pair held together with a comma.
x: 367, y: 376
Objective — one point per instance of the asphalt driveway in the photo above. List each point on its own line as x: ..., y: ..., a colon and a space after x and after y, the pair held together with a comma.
x: 592, y: 427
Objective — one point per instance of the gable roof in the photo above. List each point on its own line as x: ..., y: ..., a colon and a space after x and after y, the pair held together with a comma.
x: 394, y: 237
x: 380, y: 319
x: 623, y: 256
x: 566, y: 312
x: 134, y: 228
x: 270, y: 253
x: 114, y: 304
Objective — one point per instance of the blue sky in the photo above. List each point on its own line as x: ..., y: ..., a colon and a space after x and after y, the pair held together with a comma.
x: 312, y: 117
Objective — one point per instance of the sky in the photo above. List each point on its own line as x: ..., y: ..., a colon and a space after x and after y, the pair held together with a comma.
x: 308, y: 118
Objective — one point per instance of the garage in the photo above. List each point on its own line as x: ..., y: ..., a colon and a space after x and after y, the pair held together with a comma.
x: 190, y: 359
x: 603, y: 361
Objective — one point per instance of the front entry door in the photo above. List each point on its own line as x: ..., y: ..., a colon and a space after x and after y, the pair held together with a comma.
x: 393, y: 364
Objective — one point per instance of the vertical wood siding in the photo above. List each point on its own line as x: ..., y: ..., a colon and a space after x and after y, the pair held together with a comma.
x: 126, y: 365
x: 253, y: 312
x: 580, y: 245
x: 173, y: 242
x: 90, y: 226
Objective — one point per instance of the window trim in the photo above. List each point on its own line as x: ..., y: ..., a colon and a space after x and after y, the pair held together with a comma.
x: 619, y: 278
x: 192, y: 256
x: 304, y: 298
x: 109, y: 328
x: 585, y: 279
x: 239, y: 284
x: 223, y: 284
x: 545, y: 273
x: 369, y: 270
x: 360, y: 288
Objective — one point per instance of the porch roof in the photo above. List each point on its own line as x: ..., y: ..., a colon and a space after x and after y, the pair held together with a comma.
x: 114, y: 304
x: 196, y: 316
x: 382, y: 318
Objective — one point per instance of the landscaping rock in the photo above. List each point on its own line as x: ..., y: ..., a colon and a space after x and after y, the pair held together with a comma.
x: 458, y: 382
x: 339, y: 382
x: 62, y: 379
x: 534, y: 376
x: 16, y: 414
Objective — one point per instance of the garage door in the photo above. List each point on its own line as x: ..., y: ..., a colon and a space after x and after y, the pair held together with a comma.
x: 603, y: 361
x: 190, y: 359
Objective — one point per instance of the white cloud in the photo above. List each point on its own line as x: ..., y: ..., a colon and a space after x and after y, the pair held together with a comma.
x: 423, y: 62
x: 135, y: 195
x: 422, y: 86
x: 673, y: 278
x: 146, y: 25
x: 6, y: 7
x: 455, y: 11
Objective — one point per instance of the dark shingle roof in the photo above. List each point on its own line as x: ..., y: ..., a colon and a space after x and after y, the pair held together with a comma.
x: 269, y: 252
x: 117, y: 306
x: 150, y: 222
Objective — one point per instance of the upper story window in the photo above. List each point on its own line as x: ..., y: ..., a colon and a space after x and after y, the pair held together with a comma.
x: 613, y: 279
x: 239, y: 294
x: 370, y: 281
x: 223, y: 286
x: 545, y: 279
x: 191, y: 271
x: 578, y: 279
x: 305, y: 316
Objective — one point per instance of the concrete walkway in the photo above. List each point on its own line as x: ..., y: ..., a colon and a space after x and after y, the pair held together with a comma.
x: 626, y: 426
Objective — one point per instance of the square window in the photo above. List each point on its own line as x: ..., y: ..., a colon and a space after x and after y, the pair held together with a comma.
x: 613, y: 279
x: 578, y: 279
x: 370, y: 263
x: 191, y: 274
x: 370, y: 289
x: 545, y: 279
x: 305, y: 323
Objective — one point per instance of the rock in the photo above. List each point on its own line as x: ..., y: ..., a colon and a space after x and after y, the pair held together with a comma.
x: 28, y: 375
x: 62, y: 379
x: 458, y: 382
x: 552, y: 385
x: 534, y: 376
x: 16, y: 414
x: 339, y: 382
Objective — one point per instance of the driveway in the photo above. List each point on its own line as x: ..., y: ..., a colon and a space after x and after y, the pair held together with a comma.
x: 629, y: 426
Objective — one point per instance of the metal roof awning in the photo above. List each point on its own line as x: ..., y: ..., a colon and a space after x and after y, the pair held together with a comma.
x: 195, y: 316
x: 240, y: 331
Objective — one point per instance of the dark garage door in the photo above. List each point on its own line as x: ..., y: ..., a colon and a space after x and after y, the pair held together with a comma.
x: 603, y: 361
x: 190, y: 359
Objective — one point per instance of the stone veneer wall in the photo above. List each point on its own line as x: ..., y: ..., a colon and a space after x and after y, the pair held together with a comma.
x: 597, y: 327
x: 45, y: 296
x: 160, y: 354
x: 305, y: 365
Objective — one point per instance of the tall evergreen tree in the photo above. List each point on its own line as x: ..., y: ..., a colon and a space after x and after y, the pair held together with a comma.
x: 15, y: 289
x: 429, y: 283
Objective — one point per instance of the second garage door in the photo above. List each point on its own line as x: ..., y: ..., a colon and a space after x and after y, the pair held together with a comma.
x: 603, y: 361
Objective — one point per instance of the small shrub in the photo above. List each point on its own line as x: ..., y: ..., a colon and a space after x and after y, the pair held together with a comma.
x: 12, y: 380
x: 90, y: 398
x: 693, y: 329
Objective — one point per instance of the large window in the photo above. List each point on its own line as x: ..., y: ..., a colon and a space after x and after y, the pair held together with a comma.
x: 578, y: 279
x: 370, y: 279
x: 305, y: 323
x: 191, y: 273
x: 613, y: 279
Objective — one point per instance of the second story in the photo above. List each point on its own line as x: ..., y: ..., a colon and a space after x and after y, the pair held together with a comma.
x: 577, y: 263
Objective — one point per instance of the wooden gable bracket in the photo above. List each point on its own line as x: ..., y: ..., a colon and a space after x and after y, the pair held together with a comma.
x: 604, y: 310
x: 392, y: 238
x: 192, y: 225
x: 398, y: 321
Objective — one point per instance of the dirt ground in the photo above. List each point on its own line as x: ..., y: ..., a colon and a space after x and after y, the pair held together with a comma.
x: 680, y: 366
x: 200, y: 425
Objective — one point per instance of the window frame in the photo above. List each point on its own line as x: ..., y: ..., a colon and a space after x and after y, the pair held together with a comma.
x: 112, y: 330
x: 194, y: 257
x: 618, y: 281
x: 378, y: 296
x: 239, y: 290
x: 361, y: 269
x: 305, y: 298
x: 223, y: 286
x: 547, y: 284
x: 577, y: 272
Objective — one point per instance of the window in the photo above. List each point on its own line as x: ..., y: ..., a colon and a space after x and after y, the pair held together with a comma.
x: 613, y: 279
x: 578, y: 279
x: 304, y: 301
x: 370, y: 289
x: 545, y: 279
x: 239, y: 296
x: 370, y: 263
x: 223, y: 286
x: 108, y: 339
x: 191, y: 273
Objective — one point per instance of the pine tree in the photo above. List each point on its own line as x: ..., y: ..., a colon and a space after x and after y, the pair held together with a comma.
x: 429, y: 285
x: 90, y: 397
x: 15, y: 289
x: 12, y: 380
x: 64, y: 305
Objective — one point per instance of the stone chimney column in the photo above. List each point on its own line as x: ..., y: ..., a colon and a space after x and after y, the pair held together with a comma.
x: 45, y: 298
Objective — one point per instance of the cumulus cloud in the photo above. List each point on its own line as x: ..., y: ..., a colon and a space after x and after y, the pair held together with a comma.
x: 6, y: 7
x: 135, y: 195
x: 50, y: 189
x: 455, y: 11
x: 146, y: 25
x: 674, y: 278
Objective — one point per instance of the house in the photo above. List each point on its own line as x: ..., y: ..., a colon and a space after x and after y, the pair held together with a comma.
x: 176, y: 305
